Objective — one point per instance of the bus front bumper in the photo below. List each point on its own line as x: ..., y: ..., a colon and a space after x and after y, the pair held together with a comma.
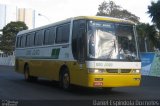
x: 113, y: 80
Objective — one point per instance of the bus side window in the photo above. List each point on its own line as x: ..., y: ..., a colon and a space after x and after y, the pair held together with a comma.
x: 46, y: 37
x: 59, y: 34
x: 23, y: 41
x: 39, y: 36
x: 66, y: 32
x: 62, y: 35
x: 30, y: 39
x: 52, y: 34
x: 49, y: 36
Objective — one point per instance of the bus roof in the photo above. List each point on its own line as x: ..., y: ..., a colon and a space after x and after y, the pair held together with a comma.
x: 46, y: 26
x: 100, y: 18
x: 104, y: 18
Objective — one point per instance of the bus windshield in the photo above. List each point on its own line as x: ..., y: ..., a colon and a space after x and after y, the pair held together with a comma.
x: 111, y: 41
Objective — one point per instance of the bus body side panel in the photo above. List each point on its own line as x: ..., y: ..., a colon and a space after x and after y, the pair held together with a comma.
x: 41, y: 68
x: 78, y: 73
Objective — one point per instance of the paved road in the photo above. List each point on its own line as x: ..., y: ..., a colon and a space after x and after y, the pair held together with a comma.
x: 13, y: 87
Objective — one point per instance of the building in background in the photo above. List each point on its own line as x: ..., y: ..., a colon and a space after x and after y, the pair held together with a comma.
x: 12, y: 13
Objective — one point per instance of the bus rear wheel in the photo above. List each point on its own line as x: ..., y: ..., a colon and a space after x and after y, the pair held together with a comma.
x: 27, y: 76
x: 65, y: 80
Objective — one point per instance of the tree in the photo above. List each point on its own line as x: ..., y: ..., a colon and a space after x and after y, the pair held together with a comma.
x: 113, y: 10
x: 147, y: 35
x: 154, y: 11
x: 8, y: 37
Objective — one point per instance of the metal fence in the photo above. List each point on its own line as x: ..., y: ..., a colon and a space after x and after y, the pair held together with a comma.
x: 7, y: 59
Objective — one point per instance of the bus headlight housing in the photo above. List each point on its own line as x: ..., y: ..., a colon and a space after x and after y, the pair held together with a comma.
x: 96, y: 70
x: 136, y: 71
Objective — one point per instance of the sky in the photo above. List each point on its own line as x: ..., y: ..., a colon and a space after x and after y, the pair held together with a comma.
x: 56, y: 10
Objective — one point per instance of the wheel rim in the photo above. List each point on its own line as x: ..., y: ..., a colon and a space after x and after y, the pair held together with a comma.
x: 66, y: 80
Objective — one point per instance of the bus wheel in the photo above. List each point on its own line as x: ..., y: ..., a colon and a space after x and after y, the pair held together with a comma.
x: 26, y: 73
x: 27, y: 76
x: 65, y: 80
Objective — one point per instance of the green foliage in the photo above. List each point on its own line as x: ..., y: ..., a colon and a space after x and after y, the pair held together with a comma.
x: 113, y: 10
x: 154, y: 11
x: 150, y: 33
x: 10, y: 31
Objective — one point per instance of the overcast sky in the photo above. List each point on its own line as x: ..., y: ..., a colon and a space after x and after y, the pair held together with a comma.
x: 61, y: 9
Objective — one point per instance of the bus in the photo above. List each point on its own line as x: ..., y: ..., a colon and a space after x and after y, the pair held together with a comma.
x: 87, y: 51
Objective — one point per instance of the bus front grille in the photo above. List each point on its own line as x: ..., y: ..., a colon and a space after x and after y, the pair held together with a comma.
x: 126, y: 71
x: 118, y: 71
x: 112, y: 71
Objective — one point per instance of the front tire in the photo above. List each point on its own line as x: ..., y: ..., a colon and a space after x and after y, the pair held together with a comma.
x: 65, y: 80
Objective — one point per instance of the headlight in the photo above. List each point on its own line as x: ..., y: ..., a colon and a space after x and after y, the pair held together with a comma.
x: 136, y: 71
x: 96, y: 70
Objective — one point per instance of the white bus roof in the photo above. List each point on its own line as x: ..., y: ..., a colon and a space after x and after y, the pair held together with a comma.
x: 101, y: 18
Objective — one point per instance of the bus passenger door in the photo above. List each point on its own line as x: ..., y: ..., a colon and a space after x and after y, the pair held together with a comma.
x: 78, y: 50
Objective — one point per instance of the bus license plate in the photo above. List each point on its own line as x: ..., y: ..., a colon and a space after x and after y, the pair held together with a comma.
x: 97, y: 84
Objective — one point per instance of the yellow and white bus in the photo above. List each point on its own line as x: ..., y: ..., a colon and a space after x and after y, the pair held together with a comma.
x: 89, y: 51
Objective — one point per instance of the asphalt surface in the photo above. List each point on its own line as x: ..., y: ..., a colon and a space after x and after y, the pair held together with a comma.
x: 14, y: 87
